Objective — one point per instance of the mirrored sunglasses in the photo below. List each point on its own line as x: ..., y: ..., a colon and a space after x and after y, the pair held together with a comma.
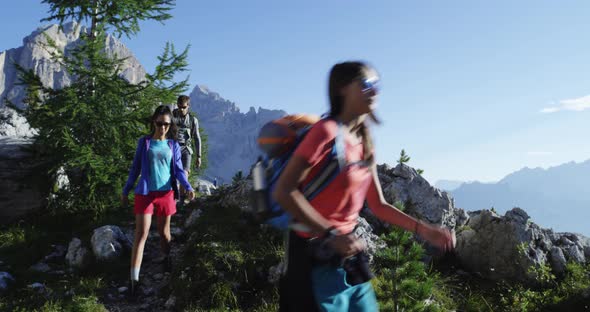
x: 369, y: 84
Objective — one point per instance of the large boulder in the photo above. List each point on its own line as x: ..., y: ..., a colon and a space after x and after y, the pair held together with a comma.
x: 78, y: 256
x: 507, y: 247
x: 109, y: 243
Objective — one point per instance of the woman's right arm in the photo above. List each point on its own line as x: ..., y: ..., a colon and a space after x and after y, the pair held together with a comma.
x: 135, y: 168
x: 288, y: 195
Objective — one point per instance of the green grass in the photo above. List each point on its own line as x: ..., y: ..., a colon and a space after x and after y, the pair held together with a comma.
x: 226, y: 263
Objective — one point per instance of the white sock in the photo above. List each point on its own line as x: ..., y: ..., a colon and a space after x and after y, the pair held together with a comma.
x: 135, y: 274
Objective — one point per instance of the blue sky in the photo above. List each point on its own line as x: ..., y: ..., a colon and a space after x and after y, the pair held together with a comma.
x: 473, y: 90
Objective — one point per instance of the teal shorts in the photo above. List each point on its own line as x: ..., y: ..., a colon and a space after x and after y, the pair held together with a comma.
x: 333, y: 293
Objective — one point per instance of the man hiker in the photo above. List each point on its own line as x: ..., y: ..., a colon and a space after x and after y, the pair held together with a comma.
x: 188, y: 134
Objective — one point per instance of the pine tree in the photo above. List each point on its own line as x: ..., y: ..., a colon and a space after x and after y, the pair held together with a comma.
x: 91, y: 127
x: 403, y: 157
x: 239, y: 176
x: 402, y: 282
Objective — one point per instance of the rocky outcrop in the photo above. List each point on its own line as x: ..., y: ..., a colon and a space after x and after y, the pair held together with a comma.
x: 498, y: 247
x: 21, y: 184
x: 404, y: 184
x: 231, y: 134
x: 509, y: 247
x: 36, y: 55
x: 12, y: 124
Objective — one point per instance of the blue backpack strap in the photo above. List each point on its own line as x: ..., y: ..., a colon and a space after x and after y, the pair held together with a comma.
x: 336, y: 162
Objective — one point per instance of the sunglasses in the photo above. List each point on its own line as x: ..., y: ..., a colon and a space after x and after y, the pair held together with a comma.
x: 165, y: 124
x: 369, y: 84
x: 182, y: 107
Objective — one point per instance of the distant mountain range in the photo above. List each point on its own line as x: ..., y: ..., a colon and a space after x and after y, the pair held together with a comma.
x: 555, y: 197
x: 448, y: 185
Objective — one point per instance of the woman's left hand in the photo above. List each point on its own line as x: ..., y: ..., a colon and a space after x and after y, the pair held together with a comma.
x: 441, y: 238
x: 191, y: 195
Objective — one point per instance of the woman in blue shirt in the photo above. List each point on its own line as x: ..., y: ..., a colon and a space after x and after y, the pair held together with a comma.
x: 158, y: 163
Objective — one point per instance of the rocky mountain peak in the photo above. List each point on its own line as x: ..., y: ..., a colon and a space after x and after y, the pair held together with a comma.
x: 36, y: 55
x: 231, y: 133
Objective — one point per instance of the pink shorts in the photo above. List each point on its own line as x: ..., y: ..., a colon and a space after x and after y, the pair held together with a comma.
x: 160, y: 203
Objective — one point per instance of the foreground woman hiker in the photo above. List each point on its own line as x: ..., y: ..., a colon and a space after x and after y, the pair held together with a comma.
x: 158, y: 160
x: 327, y: 268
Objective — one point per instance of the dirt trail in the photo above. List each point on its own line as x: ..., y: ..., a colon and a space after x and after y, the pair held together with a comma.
x: 153, y: 293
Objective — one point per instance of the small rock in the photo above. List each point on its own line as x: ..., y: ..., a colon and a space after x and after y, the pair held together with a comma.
x: 40, y: 268
x: 275, y: 272
x: 59, y: 251
x: 58, y: 272
x: 192, y: 219
x: 170, y: 303
x: 5, y: 280
x: 144, y: 306
x: 158, y: 276
x: 176, y: 231
x: 37, y: 287
x: 148, y: 291
x: 122, y: 289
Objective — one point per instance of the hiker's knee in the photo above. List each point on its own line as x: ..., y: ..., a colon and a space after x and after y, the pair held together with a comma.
x: 141, y: 233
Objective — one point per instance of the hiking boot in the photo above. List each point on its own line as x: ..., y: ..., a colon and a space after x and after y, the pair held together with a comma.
x: 167, y: 264
x: 133, y: 289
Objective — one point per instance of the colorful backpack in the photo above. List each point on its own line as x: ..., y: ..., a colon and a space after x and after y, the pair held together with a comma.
x: 278, y: 139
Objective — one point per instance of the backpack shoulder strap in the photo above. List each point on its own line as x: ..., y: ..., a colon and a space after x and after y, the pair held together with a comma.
x: 331, y: 168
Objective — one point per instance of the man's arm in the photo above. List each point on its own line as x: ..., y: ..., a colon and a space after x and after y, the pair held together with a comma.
x: 195, y: 134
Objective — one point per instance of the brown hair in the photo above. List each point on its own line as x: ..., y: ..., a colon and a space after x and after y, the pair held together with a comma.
x: 341, y: 75
x: 183, y: 99
x: 164, y: 110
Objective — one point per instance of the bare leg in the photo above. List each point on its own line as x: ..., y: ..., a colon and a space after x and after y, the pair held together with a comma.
x: 164, y: 231
x: 142, y: 229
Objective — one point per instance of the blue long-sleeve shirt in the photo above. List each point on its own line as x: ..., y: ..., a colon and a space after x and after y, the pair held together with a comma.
x: 141, y: 166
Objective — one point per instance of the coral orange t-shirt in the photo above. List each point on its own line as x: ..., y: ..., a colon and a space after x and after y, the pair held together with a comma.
x: 342, y: 199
